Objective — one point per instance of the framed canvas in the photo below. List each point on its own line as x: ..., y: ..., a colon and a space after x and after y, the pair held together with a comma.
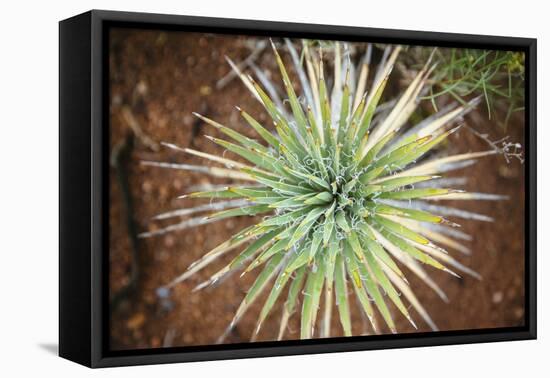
x: 234, y: 188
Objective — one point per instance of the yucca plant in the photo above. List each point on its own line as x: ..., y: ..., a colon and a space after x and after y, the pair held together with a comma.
x: 344, y: 187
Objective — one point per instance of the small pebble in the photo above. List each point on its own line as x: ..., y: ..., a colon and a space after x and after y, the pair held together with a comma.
x: 169, y: 241
x: 147, y: 186
x: 142, y: 88
x: 136, y: 321
x: 205, y: 90
x: 163, y: 193
x: 188, y: 120
x: 506, y: 171
x: 155, y: 342
x: 163, y: 292
x: 177, y: 184
x: 116, y: 99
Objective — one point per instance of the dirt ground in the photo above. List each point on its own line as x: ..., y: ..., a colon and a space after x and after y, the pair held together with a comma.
x: 161, y: 77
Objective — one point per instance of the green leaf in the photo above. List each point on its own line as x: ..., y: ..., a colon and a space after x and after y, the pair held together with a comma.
x: 301, y: 259
x: 371, y: 107
x: 241, y: 211
x: 386, y: 285
x: 389, y: 184
x: 270, y: 107
x: 399, y: 229
x: 224, y: 193
x: 421, y: 150
x: 400, y: 153
x: 344, y: 112
x: 289, y: 231
x: 252, y: 156
x: 263, y: 278
x: 371, y: 174
x: 312, y: 294
x: 373, y: 152
x: 286, y: 218
x: 313, y: 125
x: 252, y: 192
x: 258, y: 285
x: 372, y: 288
x: 274, y: 250
x: 266, y: 135
x: 292, y: 202
x: 342, y: 222
x: 415, y: 193
x: 278, y: 286
x: 349, y: 141
x: 328, y: 226
x: 291, y: 147
x: 329, y: 141
x: 292, y: 298
x: 243, y: 140
x: 355, y: 244
x: 315, y: 243
x: 281, y: 185
x: 310, y: 179
x: 253, y: 247
x: 404, y: 246
x: 306, y: 224
x: 330, y: 258
x: 417, y: 215
x: 320, y: 199
x: 374, y: 247
x: 342, y: 295
x: 297, y: 110
x: 355, y: 273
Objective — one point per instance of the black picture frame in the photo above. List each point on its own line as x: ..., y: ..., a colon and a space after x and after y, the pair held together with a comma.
x: 83, y: 195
